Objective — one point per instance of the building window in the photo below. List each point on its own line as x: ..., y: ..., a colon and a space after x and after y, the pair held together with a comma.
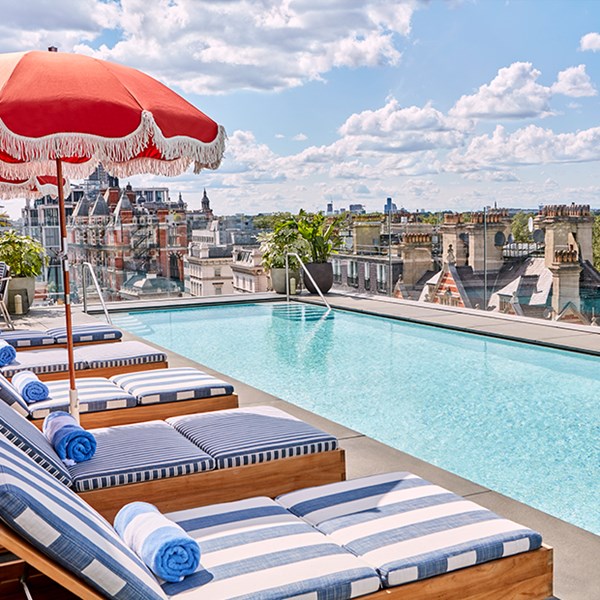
x: 218, y: 289
x: 52, y: 237
x: 217, y: 271
x: 353, y: 273
x: 367, y: 276
x: 51, y: 217
x: 337, y: 271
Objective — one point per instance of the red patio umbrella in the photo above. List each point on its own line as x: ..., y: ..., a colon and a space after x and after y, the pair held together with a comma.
x: 66, y: 113
x: 32, y: 188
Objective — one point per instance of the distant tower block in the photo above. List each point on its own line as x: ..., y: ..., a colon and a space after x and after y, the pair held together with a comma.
x: 566, y: 227
x: 482, y: 233
x: 454, y: 233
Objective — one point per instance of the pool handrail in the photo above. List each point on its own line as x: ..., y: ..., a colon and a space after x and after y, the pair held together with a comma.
x: 97, y: 286
x: 307, y: 272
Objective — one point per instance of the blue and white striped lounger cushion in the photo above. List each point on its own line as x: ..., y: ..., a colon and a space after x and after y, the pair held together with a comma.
x: 86, y: 333
x: 52, y: 360
x: 408, y: 528
x: 11, y: 396
x: 25, y: 435
x: 246, y: 436
x: 170, y: 385
x: 254, y: 549
x: 65, y: 528
x: 95, y: 394
x: 139, y: 452
x: 123, y: 354
x: 27, y: 337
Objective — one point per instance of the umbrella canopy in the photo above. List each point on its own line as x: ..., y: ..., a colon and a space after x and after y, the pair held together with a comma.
x: 32, y: 188
x: 85, y: 111
x: 66, y: 113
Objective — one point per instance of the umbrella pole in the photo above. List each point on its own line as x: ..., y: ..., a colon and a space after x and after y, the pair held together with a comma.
x: 73, y: 398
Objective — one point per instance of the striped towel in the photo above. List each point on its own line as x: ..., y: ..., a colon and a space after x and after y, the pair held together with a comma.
x: 7, y: 353
x: 72, y: 443
x: 166, y: 549
x: 30, y: 387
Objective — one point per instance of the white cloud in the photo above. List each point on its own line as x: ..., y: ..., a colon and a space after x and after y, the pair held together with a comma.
x: 574, y: 82
x: 423, y: 189
x: 279, y: 136
x: 494, y: 176
x: 393, y: 129
x: 392, y: 118
x: 300, y: 137
x: 590, y: 41
x: 37, y: 24
x: 530, y: 145
x: 513, y: 94
x: 215, y: 47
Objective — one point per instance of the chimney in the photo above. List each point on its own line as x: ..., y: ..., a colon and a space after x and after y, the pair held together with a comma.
x: 365, y: 235
x: 416, y: 257
x: 454, y: 233
x: 482, y: 236
x: 565, y: 269
x: 566, y: 227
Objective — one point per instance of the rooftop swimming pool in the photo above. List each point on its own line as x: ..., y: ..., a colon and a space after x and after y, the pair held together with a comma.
x: 520, y: 419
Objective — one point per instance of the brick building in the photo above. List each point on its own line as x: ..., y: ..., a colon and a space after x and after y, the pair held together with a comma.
x: 125, y: 234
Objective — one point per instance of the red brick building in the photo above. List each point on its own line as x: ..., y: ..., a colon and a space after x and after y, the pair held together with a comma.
x: 126, y: 234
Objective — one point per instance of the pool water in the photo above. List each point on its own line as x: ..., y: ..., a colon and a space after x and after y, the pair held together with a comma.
x: 520, y: 419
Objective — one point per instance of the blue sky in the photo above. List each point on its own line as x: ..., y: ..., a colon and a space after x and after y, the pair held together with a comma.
x: 440, y: 105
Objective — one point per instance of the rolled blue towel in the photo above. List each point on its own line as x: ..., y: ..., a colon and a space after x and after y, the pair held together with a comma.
x: 166, y: 549
x: 7, y: 353
x: 72, y: 442
x: 30, y: 387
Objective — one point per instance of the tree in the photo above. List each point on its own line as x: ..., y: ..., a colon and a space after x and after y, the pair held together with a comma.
x: 596, y: 242
x: 519, y: 228
x: 270, y: 221
x: 432, y: 218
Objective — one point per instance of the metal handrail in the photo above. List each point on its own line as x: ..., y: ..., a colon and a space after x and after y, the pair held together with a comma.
x: 287, y: 278
x: 97, y: 286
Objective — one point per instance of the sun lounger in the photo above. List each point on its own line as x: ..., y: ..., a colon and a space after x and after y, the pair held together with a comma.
x: 130, y: 398
x: 257, y: 548
x: 90, y: 361
x: 57, y: 337
x: 269, y: 452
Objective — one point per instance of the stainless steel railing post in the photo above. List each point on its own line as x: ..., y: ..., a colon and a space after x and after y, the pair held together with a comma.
x: 97, y: 286
x: 309, y: 276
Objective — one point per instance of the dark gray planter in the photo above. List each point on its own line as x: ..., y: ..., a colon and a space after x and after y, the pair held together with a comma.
x: 322, y: 273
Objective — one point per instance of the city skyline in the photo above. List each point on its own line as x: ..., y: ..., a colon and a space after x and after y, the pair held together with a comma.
x: 442, y: 105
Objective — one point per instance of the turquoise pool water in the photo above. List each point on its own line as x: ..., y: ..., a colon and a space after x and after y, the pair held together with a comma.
x: 520, y: 419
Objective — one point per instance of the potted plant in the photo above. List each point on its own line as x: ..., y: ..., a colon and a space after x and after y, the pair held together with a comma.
x: 274, y: 245
x: 26, y: 258
x: 321, y: 233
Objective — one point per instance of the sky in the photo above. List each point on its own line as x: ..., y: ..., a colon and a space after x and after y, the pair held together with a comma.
x: 440, y: 105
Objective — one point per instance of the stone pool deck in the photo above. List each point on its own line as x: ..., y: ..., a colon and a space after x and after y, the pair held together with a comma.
x: 577, y: 551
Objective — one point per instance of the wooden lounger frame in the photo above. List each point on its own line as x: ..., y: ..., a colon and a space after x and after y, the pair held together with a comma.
x: 152, y: 412
x: 527, y: 575
x: 224, y: 485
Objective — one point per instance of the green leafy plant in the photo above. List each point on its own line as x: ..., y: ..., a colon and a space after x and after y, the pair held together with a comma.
x: 24, y: 255
x: 274, y: 245
x: 319, y: 231
x: 519, y: 227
